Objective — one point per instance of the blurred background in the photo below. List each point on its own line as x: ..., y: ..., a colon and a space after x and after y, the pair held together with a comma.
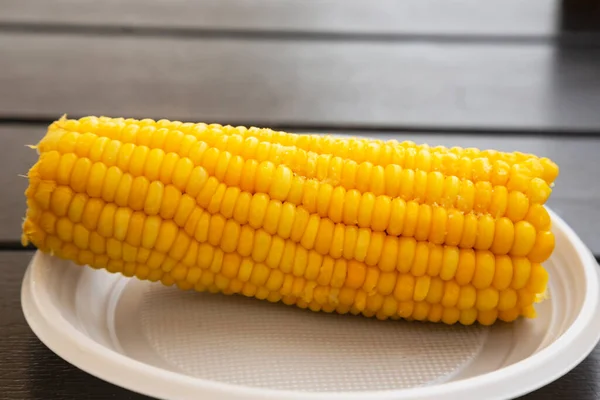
x: 504, y: 74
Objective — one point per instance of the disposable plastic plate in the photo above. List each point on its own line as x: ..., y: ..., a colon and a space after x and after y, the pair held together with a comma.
x: 176, y: 345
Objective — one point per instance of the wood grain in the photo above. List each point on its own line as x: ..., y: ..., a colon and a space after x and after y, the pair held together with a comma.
x: 575, y: 199
x: 30, y: 371
x: 307, y: 83
x: 409, y: 17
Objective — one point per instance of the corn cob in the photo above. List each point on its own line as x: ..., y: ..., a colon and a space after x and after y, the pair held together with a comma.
x: 384, y: 229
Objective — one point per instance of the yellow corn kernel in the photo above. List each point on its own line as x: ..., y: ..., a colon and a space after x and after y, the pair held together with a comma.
x: 542, y: 248
x: 521, y: 272
x: 503, y: 273
x: 356, y: 274
x: 467, y: 297
x: 538, y: 216
x: 405, y: 287
x: 422, y: 285
x: 468, y: 317
x: 507, y: 300
x: 487, y: 317
x: 484, y: 269
x: 451, y: 294
x: 537, y: 279
x: 450, y: 316
x: 485, y: 232
x: 421, y: 311
x: 487, y: 299
x: 467, y: 266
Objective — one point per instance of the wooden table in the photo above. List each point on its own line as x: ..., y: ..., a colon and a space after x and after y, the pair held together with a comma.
x: 504, y: 74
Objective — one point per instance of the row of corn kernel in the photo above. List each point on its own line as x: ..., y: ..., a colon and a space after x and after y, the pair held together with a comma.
x: 375, y: 151
x: 323, y: 166
x: 522, y: 275
x: 351, y: 243
x: 487, y: 300
x: 423, y: 222
x: 316, y: 197
x: 150, y: 195
x: 354, y: 168
x: 418, y: 258
x: 364, y: 177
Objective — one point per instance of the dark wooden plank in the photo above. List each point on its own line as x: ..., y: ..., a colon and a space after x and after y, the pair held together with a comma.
x: 412, y: 85
x: 15, y: 161
x: 429, y: 17
x: 29, y: 371
x: 575, y: 198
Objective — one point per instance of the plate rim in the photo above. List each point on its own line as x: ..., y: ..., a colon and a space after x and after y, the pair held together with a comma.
x: 525, y: 376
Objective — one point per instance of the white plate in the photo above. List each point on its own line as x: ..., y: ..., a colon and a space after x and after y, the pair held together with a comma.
x: 182, y: 345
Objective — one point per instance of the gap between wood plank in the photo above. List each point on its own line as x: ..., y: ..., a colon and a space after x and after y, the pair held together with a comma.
x: 15, y: 246
x: 345, y: 128
x: 580, y: 39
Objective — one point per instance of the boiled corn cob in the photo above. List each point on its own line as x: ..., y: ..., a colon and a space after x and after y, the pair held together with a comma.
x: 384, y: 229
